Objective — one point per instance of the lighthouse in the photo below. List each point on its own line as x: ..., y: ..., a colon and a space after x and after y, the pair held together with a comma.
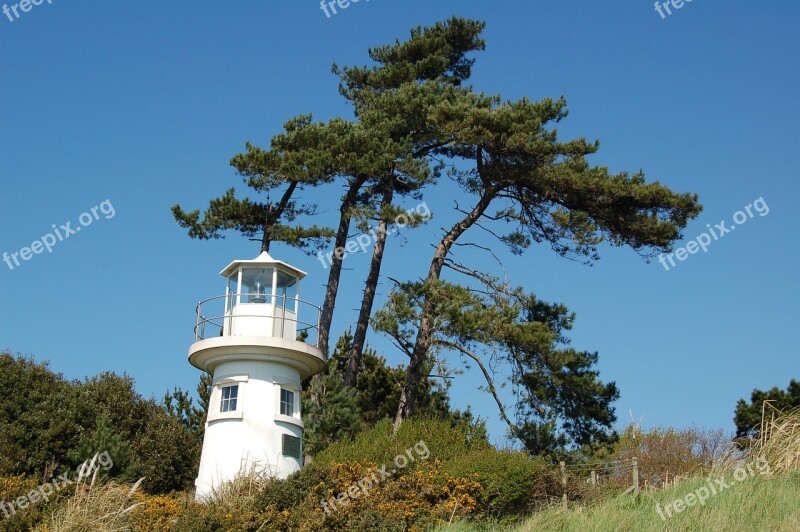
x: 258, y: 341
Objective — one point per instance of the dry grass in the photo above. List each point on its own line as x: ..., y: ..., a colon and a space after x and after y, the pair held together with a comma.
x: 95, y: 506
x: 242, y: 490
x: 779, y: 443
x: 766, y: 501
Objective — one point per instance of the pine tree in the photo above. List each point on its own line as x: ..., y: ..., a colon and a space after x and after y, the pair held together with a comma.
x: 335, y: 414
x: 507, y: 155
x: 511, y: 335
x: 394, y: 101
x: 293, y: 161
x: 105, y: 439
x: 341, y: 412
x: 748, y: 415
x: 180, y: 405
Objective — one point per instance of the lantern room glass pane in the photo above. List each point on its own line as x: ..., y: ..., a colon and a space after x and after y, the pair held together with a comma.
x: 287, y: 290
x: 233, y: 279
x: 257, y: 285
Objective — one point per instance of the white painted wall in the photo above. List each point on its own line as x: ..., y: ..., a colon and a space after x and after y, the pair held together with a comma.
x: 261, y: 319
x: 251, y: 436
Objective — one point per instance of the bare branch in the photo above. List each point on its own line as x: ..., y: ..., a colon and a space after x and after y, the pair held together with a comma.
x: 484, y: 248
x: 480, y: 276
x: 489, y: 381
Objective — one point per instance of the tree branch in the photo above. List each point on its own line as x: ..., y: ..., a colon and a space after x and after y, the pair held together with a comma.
x: 492, y: 389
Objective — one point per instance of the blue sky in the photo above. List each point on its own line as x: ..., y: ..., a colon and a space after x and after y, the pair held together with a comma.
x: 144, y: 103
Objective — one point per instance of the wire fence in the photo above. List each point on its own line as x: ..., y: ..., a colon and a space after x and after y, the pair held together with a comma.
x: 583, y: 482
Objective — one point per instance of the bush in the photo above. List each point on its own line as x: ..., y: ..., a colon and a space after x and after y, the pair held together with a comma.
x: 672, y: 452
x: 286, y: 494
x: 444, y: 439
x: 37, y: 414
x: 49, y: 422
x: 158, y: 512
x: 166, y: 454
x: 511, y: 482
x: 335, y: 415
x: 444, y: 483
x: 10, y: 489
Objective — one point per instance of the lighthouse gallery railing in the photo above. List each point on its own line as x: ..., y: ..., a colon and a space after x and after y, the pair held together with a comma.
x: 217, y: 316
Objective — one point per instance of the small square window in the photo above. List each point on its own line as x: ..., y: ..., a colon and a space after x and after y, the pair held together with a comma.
x: 230, y: 394
x: 287, y: 402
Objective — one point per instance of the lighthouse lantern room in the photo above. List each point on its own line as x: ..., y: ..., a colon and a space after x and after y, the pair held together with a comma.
x: 258, y: 341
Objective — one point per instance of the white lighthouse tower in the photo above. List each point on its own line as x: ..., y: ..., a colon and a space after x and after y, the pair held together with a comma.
x: 259, y: 342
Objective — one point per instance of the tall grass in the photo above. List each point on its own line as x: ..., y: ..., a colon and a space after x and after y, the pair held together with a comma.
x: 779, y: 444
x: 759, y: 503
x: 243, y: 489
x: 766, y: 501
x: 95, y: 506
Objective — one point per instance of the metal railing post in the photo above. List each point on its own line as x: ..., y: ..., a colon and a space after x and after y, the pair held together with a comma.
x: 283, y: 317
x: 197, y: 322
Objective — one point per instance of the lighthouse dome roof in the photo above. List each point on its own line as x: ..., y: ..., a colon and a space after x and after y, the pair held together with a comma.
x: 263, y: 260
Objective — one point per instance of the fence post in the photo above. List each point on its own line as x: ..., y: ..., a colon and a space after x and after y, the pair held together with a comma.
x: 563, y: 467
x: 635, y: 474
x: 594, y: 477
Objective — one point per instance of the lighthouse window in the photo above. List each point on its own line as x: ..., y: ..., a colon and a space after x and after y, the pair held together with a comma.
x: 257, y: 285
x: 230, y: 394
x: 287, y: 402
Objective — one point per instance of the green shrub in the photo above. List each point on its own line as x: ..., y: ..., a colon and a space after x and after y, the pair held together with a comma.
x: 166, y: 454
x: 210, y: 518
x: 286, y: 494
x: 444, y: 439
x: 13, y: 487
x: 511, y: 482
x: 37, y: 415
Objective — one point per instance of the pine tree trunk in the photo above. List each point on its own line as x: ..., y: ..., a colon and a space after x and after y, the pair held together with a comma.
x: 332, y: 289
x: 354, y: 360
x: 410, y: 393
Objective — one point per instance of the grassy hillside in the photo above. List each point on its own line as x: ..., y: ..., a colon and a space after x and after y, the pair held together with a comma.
x: 754, y: 504
x: 438, y: 476
x: 756, y: 488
